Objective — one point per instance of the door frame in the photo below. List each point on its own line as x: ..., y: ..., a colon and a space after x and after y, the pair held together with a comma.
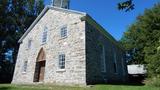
x: 40, y: 62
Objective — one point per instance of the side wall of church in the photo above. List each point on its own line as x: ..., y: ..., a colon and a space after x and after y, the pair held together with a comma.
x: 73, y: 46
x: 98, y: 71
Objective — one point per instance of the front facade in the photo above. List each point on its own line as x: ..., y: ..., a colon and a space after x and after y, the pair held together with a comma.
x: 68, y: 47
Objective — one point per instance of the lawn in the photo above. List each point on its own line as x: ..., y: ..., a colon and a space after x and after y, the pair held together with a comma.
x: 96, y: 87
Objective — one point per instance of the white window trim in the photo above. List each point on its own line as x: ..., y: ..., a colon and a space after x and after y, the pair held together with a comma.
x: 58, y: 64
x: 29, y: 44
x: 60, y: 70
x: 63, y: 37
x: 61, y: 3
x: 45, y: 30
x: 24, y: 68
x: 103, y: 67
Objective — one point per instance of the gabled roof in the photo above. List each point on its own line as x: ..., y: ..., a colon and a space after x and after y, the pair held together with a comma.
x: 88, y: 19
x: 42, y: 14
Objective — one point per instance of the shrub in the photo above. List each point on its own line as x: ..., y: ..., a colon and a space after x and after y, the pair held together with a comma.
x: 155, y: 81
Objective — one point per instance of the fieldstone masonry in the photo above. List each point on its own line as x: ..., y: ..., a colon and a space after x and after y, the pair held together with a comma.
x: 82, y: 65
x: 94, y: 38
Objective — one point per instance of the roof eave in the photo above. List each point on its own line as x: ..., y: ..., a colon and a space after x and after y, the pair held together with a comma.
x: 103, y: 31
x: 66, y: 10
x: 34, y: 23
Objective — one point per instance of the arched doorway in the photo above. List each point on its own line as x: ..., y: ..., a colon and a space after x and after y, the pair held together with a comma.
x: 40, y: 66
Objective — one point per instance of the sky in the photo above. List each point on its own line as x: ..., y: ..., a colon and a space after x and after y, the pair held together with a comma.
x: 105, y: 12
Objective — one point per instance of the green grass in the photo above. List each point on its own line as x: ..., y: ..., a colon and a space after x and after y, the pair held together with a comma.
x: 96, y: 87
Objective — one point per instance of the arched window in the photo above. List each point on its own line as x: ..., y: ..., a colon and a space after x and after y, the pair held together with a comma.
x: 102, y: 57
x: 44, y: 35
x: 115, y: 61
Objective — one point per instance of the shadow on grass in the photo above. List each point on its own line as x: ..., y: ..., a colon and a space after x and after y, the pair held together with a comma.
x: 133, y: 80
x: 5, y: 88
x: 123, y: 84
x: 128, y: 84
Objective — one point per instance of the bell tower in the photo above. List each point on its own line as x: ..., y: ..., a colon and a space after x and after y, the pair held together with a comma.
x: 61, y: 3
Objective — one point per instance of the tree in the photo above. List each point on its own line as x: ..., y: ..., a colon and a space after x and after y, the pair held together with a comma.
x: 127, y: 5
x: 16, y: 16
x: 143, y: 39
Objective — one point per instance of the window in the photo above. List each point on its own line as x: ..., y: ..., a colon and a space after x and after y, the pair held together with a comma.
x: 44, y: 36
x: 115, y: 62
x: 62, y: 61
x: 103, y: 60
x: 123, y: 68
x: 61, y: 4
x: 29, y: 44
x: 64, y: 32
x: 25, y: 66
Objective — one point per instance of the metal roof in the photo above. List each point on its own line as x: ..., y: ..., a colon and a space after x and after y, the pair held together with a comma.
x: 136, y: 69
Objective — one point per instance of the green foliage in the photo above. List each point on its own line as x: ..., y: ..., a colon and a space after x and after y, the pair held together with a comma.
x: 95, y: 87
x: 6, y: 70
x: 16, y: 16
x: 127, y: 5
x: 154, y: 81
x: 142, y: 40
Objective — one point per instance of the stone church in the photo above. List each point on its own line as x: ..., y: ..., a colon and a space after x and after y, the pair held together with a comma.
x: 68, y: 47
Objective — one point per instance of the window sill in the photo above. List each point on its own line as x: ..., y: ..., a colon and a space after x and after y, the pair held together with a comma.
x: 61, y: 70
x: 103, y: 71
x: 28, y: 48
x: 43, y: 43
x: 62, y: 38
x: 24, y: 72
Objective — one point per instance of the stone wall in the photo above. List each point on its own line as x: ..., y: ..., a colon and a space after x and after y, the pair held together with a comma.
x: 81, y: 48
x: 73, y: 46
x: 94, y: 74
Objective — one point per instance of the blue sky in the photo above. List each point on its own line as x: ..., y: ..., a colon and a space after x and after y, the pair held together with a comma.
x: 106, y: 14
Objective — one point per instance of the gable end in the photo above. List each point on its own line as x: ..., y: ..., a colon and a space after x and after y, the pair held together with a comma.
x: 42, y: 14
